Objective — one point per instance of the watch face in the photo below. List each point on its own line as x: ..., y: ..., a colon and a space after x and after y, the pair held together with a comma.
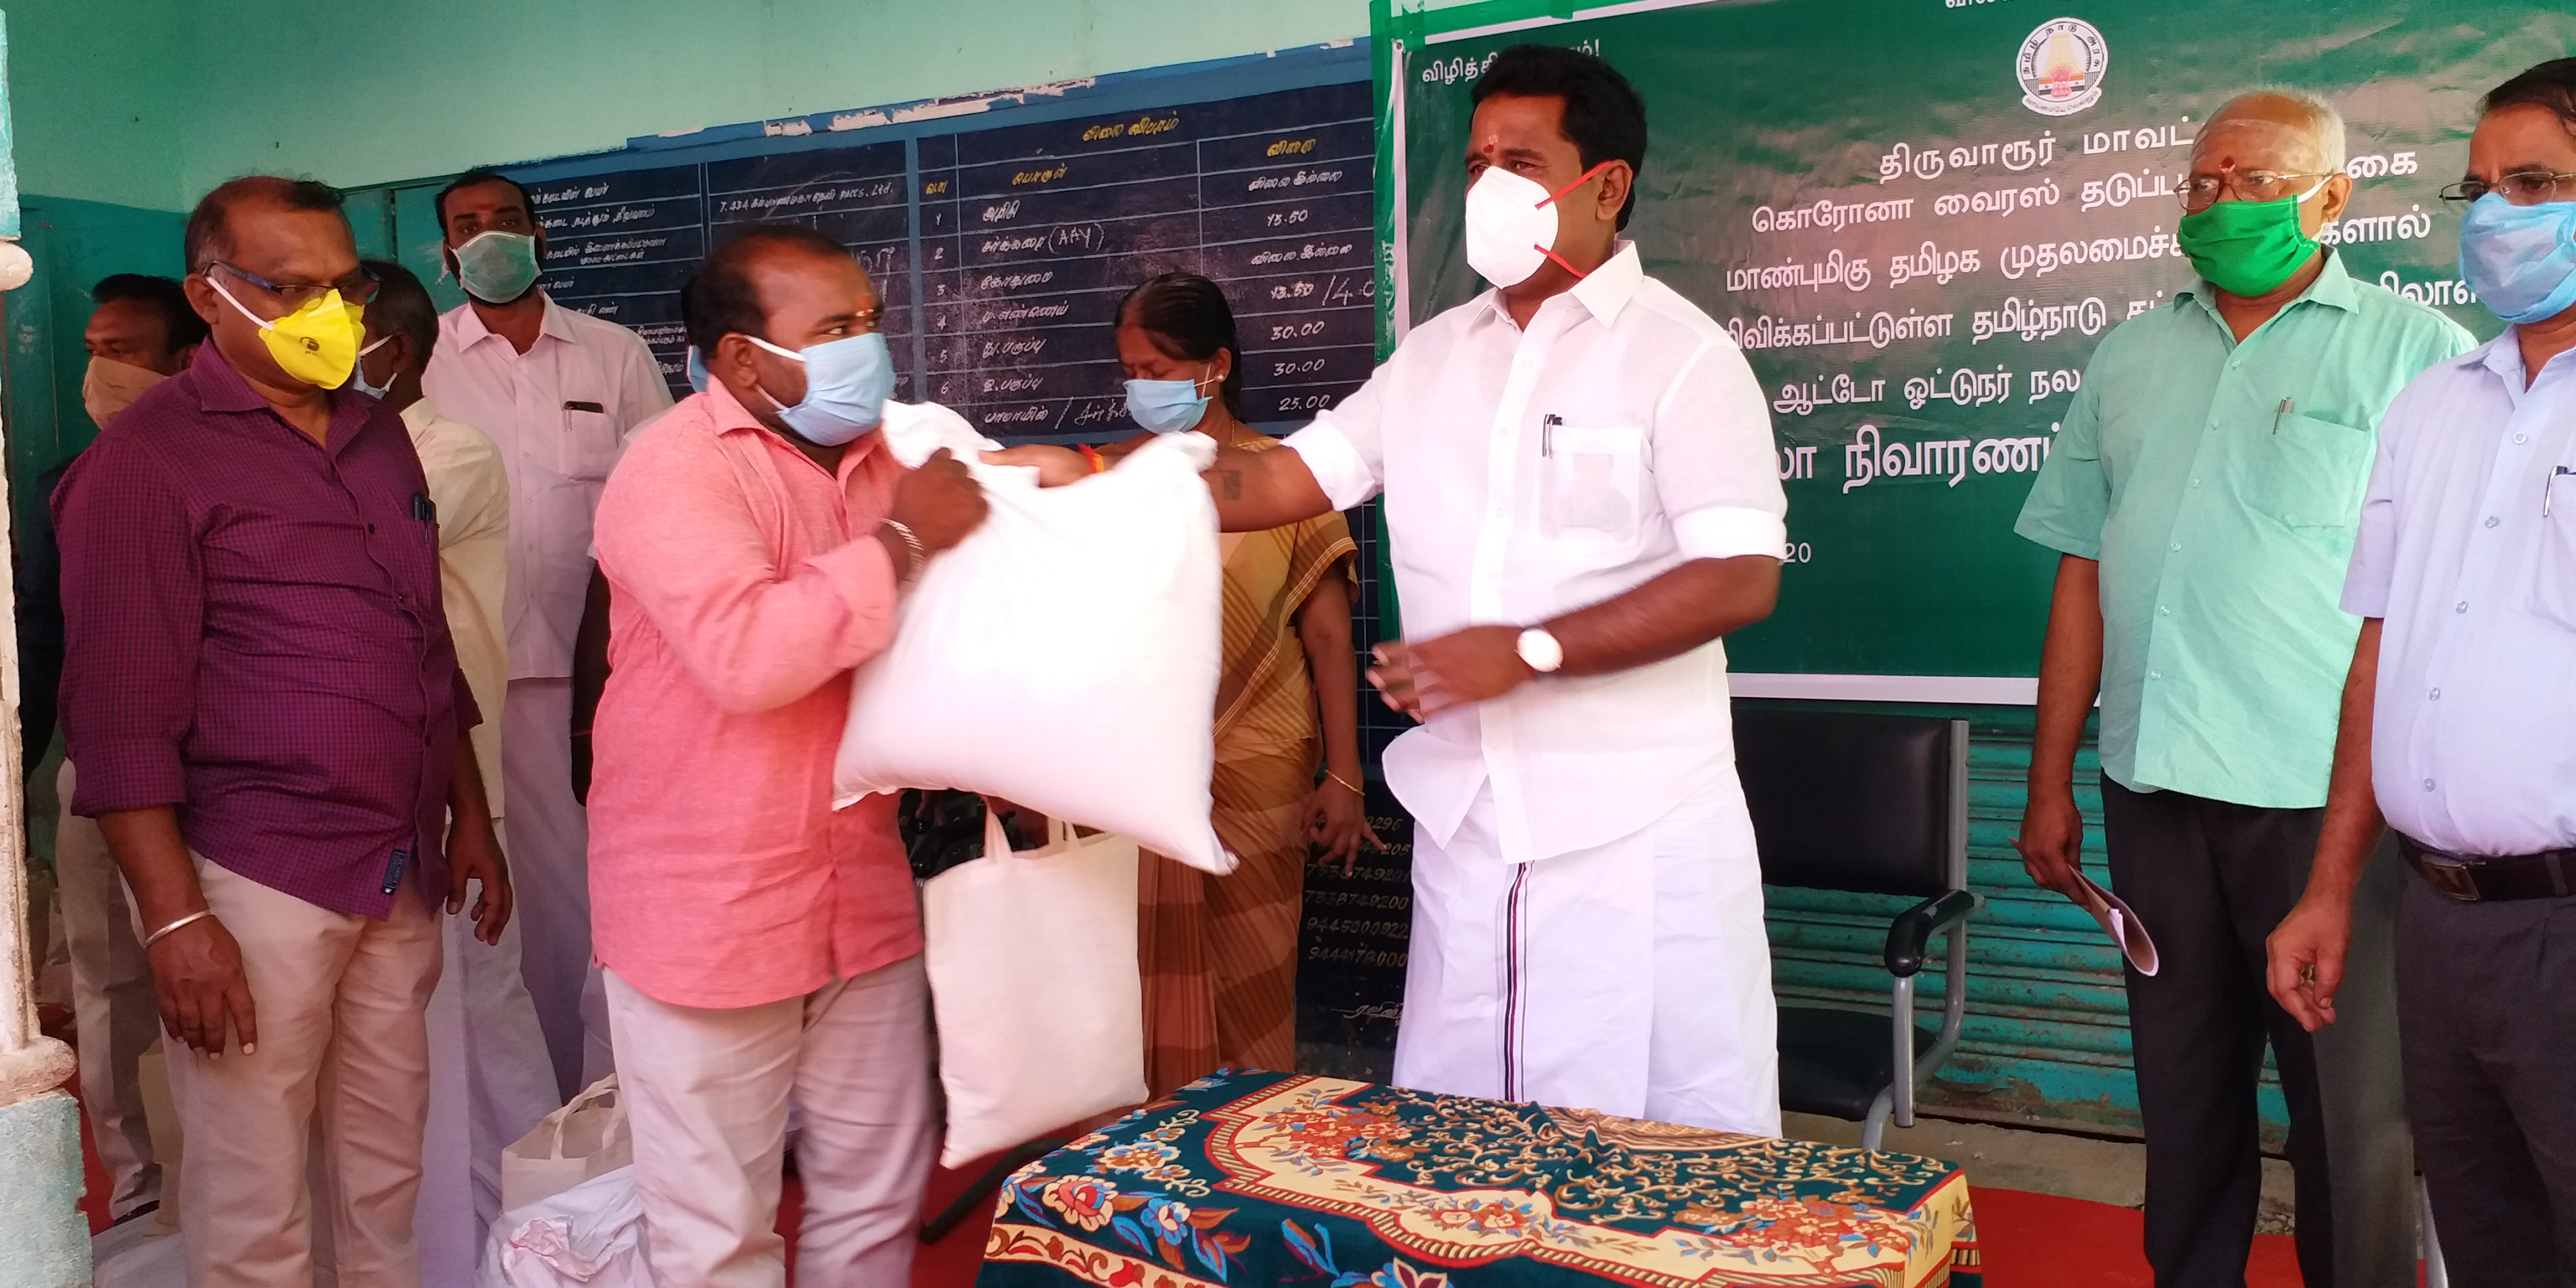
x: 1540, y: 650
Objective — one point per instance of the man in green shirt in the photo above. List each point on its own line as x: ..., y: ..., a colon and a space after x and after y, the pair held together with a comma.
x: 2203, y: 493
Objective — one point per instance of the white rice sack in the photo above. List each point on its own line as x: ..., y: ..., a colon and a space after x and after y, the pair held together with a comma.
x: 1064, y: 655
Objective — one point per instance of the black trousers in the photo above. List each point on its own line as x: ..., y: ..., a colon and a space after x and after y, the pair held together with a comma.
x: 2210, y: 880
x: 2486, y: 996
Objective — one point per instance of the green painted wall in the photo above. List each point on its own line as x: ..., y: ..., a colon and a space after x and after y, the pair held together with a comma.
x: 97, y: 99
x: 150, y: 102
x: 400, y: 91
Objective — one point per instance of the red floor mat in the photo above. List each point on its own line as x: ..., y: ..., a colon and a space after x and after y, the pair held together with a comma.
x: 2043, y: 1241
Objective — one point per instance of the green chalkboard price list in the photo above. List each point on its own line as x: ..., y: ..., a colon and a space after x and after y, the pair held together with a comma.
x: 999, y: 254
x: 618, y: 246
x: 1032, y: 234
x: 856, y: 195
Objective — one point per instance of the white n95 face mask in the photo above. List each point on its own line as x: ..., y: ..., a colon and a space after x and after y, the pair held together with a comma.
x: 1512, y: 225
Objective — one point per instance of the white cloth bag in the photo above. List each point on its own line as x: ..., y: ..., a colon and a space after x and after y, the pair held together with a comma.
x: 1063, y: 656
x: 1034, y: 984
x: 589, y: 1236
x: 575, y: 1144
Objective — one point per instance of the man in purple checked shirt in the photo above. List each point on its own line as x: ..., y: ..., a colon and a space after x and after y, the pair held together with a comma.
x: 265, y: 705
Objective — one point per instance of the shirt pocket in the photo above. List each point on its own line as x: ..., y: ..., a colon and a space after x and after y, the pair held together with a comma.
x: 2307, y: 472
x: 2553, y: 572
x: 588, y: 445
x: 1592, y: 481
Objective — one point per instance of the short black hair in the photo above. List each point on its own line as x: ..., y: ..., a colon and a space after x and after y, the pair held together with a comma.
x: 1187, y: 317
x: 719, y: 299
x: 476, y: 178
x: 403, y: 307
x: 180, y: 325
x: 2551, y: 85
x: 1604, y: 116
x: 209, y: 235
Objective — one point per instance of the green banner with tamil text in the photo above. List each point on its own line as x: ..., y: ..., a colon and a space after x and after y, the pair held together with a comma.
x: 1918, y: 217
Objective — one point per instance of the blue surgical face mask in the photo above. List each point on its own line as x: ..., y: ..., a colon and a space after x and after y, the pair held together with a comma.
x: 698, y: 380
x: 358, y: 372
x: 847, y: 382
x: 2521, y: 260
x: 1166, y: 406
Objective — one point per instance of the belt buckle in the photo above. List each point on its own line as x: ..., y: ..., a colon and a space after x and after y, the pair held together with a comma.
x: 2451, y: 880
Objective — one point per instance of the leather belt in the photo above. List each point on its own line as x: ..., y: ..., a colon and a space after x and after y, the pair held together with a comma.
x: 2472, y: 879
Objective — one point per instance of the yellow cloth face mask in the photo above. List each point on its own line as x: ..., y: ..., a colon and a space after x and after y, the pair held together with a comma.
x: 317, y: 344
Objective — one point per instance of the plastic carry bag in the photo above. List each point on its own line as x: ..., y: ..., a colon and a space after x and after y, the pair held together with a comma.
x: 589, y: 1236
x: 574, y: 1144
x: 1034, y: 983
x: 1063, y: 656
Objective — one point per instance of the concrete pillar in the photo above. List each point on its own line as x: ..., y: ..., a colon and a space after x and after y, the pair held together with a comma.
x: 41, y: 1224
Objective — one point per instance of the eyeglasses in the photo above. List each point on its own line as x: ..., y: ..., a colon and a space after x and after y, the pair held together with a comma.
x: 2521, y: 188
x: 2199, y: 192
x: 356, y: 288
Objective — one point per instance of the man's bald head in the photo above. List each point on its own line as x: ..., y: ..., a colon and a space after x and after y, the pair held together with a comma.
x: 209, y: 235
x: 2306, y: 131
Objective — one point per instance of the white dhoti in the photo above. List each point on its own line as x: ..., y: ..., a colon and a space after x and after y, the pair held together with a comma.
x: 490, y: 1082
x: 1632, y: 978
x: 547, y: 836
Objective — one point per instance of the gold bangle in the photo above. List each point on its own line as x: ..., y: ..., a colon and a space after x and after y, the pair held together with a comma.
x: 1354, y: 790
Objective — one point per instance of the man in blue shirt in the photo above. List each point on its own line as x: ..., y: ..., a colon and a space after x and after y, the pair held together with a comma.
x: 2457, y: 720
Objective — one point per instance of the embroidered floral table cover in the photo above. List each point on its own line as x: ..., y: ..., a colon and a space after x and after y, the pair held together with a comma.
x: 1265, y: 1178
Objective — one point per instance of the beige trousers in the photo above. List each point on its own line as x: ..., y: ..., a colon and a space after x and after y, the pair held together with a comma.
x: 113, y: 1009
x: 342, y: 1068
x: 707, y: 1095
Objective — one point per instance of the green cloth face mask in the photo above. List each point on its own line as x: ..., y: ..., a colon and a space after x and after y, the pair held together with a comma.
x: 2248, y: 248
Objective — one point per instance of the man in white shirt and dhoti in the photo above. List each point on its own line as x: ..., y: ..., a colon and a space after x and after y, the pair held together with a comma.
x: 559, y: 392
x: 1582, y: 497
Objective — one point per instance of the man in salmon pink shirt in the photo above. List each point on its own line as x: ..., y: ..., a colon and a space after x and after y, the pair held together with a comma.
x: 762, y: 949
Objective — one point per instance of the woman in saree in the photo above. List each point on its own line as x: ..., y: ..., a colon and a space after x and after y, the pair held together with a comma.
x: 1219, y: 954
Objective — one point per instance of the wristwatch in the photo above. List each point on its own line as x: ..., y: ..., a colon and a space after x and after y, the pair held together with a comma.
x: 1540, y: 650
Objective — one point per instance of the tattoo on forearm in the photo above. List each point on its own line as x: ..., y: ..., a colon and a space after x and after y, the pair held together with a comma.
x: 1230, y: 484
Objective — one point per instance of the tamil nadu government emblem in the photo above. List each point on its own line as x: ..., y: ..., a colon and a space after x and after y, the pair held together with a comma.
x: 2061, y: 67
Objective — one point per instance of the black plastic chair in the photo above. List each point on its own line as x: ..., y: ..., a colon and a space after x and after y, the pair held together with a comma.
x: 1869, y: 804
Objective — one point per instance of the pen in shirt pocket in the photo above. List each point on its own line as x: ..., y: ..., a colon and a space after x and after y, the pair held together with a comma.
x: 2278, y: 413
x: 2550, y: 488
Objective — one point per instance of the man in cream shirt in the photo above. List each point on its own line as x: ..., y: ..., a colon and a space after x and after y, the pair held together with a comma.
x: 490, y: 1078
x: 1587, y: 924
x: 560, y: 392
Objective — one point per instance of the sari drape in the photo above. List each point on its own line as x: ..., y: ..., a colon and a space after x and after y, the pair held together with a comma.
x: 1219, y: 954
